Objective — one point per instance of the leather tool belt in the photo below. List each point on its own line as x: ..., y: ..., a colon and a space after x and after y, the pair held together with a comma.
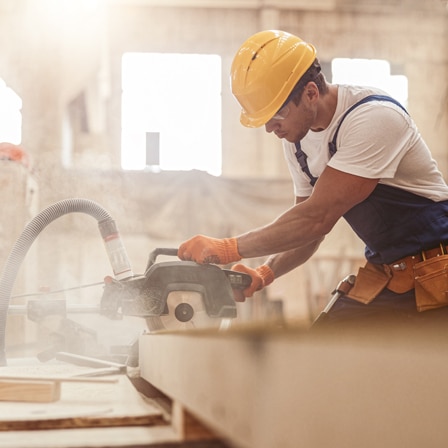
x: 426, y: 272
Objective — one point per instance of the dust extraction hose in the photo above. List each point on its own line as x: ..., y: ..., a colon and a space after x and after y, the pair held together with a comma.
x: 114, y: 247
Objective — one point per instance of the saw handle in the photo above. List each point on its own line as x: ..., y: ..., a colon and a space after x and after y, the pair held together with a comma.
x: 160, y: 251
x: 238, y: 280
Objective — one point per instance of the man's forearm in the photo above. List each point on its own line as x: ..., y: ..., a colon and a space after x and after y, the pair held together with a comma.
x: 284, y: 262
x: 298, y: 227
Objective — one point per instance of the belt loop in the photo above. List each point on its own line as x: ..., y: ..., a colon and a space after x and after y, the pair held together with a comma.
x: 423, y: 255
x: 442, y: 249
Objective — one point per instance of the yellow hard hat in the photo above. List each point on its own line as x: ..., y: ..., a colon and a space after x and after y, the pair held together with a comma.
x: 264, y: 72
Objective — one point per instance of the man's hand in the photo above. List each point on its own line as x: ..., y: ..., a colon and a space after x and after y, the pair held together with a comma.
x: 203, y: 249
x: 261, y: 276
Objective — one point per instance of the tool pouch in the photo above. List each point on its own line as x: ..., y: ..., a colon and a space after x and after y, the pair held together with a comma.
x: 370, y: 281
x: 401, y: 281
x: 431, y: 283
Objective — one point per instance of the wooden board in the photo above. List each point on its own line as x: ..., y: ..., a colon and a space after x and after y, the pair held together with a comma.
x: 386, y: 387
x: 81, y: 405
x: 116, y: 437
x: 29, y: 390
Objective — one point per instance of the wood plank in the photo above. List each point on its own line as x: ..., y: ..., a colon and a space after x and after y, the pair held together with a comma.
x: 66, y: 379
x: 383, y: 386
x: 29, y: 390
x: 85, y: 404
x: 116, y: 437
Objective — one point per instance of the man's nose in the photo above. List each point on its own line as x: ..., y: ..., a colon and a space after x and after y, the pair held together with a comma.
x: 270, y: 126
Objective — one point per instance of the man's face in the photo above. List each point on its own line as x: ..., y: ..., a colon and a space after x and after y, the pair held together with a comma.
x: 293, y: 121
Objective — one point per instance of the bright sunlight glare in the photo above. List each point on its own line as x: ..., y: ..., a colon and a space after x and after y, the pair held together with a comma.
x: 175, y: 96
x: 10, y: 115
x: 370, y: 72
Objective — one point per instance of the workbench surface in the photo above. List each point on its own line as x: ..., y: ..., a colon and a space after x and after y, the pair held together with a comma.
x: 112, y: 414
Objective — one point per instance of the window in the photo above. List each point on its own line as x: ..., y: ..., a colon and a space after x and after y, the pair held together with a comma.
x: 10, y: 115
x: 171, y: 112
x: 370, y: 72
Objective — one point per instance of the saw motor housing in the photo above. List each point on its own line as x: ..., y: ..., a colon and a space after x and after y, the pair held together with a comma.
x: 147, y: 296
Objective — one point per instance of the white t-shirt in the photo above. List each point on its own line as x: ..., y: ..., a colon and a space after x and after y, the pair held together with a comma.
x: 376, y: 140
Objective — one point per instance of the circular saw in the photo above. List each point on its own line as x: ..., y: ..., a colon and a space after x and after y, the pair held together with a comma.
x: 176, y: 295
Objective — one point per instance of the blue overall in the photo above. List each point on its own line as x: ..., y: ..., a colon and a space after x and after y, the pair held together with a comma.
x: 393, y: 223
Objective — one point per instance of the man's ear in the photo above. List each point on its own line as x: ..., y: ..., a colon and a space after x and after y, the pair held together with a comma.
x: 311, y: 91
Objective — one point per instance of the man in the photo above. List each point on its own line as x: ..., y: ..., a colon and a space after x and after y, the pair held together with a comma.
x: 370, y: 166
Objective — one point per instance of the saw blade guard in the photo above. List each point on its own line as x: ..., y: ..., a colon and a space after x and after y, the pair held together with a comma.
x: 177, y: 294
x: 165, y: 278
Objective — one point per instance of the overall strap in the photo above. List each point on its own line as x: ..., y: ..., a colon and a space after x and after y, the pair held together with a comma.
x: 332, y: 145
x: 302, y: 157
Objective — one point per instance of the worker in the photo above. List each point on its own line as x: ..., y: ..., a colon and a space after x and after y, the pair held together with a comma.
x: 353, y: 152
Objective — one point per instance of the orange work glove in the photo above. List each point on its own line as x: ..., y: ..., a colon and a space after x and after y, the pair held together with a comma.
x: 203, y: 249
x: 261, y: 276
